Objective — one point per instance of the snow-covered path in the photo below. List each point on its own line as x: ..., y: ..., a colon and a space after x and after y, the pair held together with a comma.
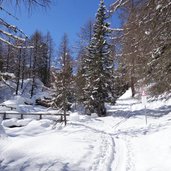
x: 138, y: 147
x: 141, y: 147
x: 75, y: 147
x: 120, y: 142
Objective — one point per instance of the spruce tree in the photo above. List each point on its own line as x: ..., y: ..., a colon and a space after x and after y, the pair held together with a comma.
x: 99, y: 65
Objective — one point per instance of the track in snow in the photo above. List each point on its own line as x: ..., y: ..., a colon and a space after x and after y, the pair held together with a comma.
x: 105, y: 156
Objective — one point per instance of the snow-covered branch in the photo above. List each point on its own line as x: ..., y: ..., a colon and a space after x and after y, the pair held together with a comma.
x: 117, y: 4
x: 11, y: 35
x: 25, y: 47
x: 116, y: 29
x: 15, y: 46
x: 4, y: 81
x: 12, y: 27
x: 7, y: 42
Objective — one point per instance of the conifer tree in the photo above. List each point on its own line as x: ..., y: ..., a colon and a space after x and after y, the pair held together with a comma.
x: 99, y: 65
x: 63, y: 77
x: 85, y: 36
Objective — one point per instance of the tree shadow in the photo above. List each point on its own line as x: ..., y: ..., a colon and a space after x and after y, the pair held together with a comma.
x: 159, y: 112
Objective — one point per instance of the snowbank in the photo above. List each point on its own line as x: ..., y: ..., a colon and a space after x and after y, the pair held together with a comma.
x: 15, y: 122
x: 127, y: 94
x: 74, y: 116
x: 152, y: 152
x: 2, y: 131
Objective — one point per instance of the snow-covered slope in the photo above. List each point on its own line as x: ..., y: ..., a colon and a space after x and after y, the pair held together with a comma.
x: 119, y: 142
x: 7, y: 91
x: 23, y: 102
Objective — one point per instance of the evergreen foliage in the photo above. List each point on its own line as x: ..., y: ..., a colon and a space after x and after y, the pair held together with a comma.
x: 98, y: 65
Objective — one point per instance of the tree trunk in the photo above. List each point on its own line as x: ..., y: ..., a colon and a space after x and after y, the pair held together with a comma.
x: 18, y: 72
x: 132, y: 86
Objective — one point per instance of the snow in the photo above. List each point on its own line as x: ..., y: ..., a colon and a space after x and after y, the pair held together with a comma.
x: 74, y: 116
x: 126, y: 95
x: 2, y: 132
x: 8, y: 74
x: 15, y: 122
x: 8, y: 87
x: 121, y: 141
x: 158, y: 6
x: 158, y: 149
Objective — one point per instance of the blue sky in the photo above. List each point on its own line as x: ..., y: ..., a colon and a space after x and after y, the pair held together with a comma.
x: 64, y: 16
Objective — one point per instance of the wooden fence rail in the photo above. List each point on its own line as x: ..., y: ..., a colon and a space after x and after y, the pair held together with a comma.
x: 4, y: 114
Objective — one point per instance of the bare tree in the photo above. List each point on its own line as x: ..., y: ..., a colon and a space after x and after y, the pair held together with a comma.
x: 84, y: 36
x: 28, y: 3
x: 50, y: 45
x: 10, y: 31
x: 146, y: 42
x: 63, y: 78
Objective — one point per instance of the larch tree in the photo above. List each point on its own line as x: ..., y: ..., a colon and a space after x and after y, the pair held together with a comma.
x: 146, y: 43
x: 1, y: 57
x: 85, y: 36
x: 50, y: 45
x: 99, y: 65
x: 156, y: 28
x: 63, y: 78
x: 131, y: 56
x: 35, y: 58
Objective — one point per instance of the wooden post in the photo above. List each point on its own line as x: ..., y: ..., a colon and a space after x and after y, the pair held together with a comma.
x: 40, y: 116
x: 4, y: 116
x: 22, y: 116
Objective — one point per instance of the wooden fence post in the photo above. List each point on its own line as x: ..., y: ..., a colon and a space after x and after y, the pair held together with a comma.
x: 22, y: 116
x: 40, y: 116
x: 4, y: 117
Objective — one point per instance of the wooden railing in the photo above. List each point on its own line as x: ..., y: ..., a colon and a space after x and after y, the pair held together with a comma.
x: 6, y: 115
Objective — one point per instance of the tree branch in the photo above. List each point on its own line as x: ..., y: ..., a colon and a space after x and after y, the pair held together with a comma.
x: 12, y: 36
x: 13, y: 28
x: 2, y: 9
x: 117, y: 4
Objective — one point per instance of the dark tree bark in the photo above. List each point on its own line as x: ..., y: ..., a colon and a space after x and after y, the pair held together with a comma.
x: 18, y: 71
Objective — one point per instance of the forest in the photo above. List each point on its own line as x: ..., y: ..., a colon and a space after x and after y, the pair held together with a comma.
x: 108, y: 60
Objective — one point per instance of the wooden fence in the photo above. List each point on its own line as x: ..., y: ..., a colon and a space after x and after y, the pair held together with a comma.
x: 6, y: 115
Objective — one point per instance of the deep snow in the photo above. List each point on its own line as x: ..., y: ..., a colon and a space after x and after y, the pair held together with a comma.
x: 119, y: 142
